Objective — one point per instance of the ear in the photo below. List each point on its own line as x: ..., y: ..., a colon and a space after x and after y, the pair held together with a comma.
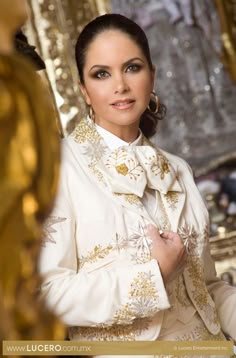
x: 85, y: 93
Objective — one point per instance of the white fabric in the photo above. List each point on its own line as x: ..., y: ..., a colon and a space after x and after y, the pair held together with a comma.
x: 96, y: 271
x: 148, y: 200
x: 114, y: 142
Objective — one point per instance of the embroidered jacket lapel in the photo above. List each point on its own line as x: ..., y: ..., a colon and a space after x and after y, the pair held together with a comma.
x: 92, y: 147
x: 173, y: 204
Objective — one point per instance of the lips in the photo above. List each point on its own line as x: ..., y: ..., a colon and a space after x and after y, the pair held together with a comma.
x: 123, y: 104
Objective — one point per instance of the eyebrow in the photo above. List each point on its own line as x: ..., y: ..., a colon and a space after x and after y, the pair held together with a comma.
x: 124, y: 64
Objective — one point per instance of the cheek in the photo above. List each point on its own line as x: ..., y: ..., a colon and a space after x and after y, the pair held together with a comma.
x: 98, y: 93
x: 144, y: 83
x: 144, y: 88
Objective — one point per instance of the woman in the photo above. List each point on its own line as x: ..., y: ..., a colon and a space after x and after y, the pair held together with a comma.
x: 127, y: 256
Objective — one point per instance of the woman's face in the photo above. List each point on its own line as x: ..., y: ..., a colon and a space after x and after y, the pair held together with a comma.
x: 117, y: 81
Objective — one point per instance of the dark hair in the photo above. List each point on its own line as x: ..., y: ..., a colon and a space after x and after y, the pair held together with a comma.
x: 24, y: 48
x: 149, y: 119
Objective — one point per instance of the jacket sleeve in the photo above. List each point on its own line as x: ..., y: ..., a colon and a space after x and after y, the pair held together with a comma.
x: 117, y: 293
x: 221, y: 292
x: 223, y: 295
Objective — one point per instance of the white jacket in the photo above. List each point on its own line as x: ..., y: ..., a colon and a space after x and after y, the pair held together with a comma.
x: 96, y: 266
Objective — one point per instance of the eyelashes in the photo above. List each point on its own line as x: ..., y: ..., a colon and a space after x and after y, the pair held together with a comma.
x: 101, y: 74
x: 134, y: 68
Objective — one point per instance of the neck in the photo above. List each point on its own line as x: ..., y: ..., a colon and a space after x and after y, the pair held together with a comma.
x: 126, y: 133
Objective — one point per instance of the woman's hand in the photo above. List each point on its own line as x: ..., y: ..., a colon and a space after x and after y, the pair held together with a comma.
x: 168, y: 249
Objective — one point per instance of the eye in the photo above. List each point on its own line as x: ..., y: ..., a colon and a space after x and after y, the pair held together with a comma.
x: 101, y: 74
x: 133, y: 68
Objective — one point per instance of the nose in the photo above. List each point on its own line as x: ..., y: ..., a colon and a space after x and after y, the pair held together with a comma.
x: 120, y: 85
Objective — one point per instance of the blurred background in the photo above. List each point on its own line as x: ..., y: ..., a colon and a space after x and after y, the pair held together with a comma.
x: 193, y: 46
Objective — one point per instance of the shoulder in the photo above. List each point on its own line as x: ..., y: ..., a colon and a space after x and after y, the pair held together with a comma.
x: 68, y: 148
x: 177, y: 162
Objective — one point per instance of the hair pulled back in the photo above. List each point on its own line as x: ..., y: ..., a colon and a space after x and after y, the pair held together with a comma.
x: 149, y: 119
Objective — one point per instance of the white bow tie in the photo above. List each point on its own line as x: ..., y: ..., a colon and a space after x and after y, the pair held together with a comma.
x: 129, y: 169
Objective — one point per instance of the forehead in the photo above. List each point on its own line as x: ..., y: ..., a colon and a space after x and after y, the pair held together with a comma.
x: 112, y: 45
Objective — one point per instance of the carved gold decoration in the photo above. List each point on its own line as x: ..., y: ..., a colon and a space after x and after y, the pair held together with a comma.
x: 29, y: 157
x: 54, y: 28
x: 227, y: 16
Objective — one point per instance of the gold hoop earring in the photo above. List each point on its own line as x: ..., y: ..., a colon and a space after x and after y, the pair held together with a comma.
x: 91, y: 113
x: 156, y: 100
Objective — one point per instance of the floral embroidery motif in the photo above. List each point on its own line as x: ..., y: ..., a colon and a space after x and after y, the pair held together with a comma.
x: 142, y: 302
x: 190, y: 237
x: 97, y: 253
x: 142, y: 242
x: 172, y: 198
x: 143, y: 299
x: 118, y: 160
x: 100, y: 252
x: 113, y: 333
x: 95, y: 152
x: 193, y: 239
x: 159, y: 165
x: 48, y: 229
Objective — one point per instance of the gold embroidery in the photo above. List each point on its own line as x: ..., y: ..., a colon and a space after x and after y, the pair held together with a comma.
x: 172, y: 198
x: 113, y: 333
x: 165, y: 223
x: 165, y: 167
x: 199, y: 290
x: 97, y: 253
x: 122, y: 169
x: 48, y: 229
x: 83, y: 132
x: 124, y: 326
x: 131, y: 199
x: 97, y: 172
x: 181, y: 292
x: 196, y: 274
x: 159, y: 165
x: 143, y: 299
x: 201, y: 333
x: 118, y: 160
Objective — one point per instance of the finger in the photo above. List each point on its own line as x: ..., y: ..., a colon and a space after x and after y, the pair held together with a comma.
x: 170, y: 235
